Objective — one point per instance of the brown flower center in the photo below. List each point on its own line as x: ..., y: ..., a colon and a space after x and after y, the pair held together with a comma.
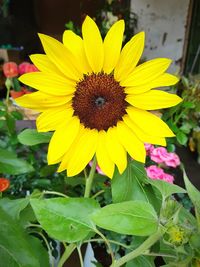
x: 99, y: 101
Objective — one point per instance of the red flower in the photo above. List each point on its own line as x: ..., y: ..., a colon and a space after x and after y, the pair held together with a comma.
x: 31, y: 68
x: 4, y: 184
x: 10, y: 69
x: 26, y: 67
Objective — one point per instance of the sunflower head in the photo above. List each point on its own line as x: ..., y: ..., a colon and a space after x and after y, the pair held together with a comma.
x: 97, y: 99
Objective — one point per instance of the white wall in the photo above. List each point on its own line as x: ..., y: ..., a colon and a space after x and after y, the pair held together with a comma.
x: 164, y: 23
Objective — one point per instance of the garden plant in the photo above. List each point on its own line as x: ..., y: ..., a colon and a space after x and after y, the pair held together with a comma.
x: 95, y: 103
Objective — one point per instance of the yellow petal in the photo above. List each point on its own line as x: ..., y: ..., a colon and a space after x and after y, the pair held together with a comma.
x: 131, y: 143
x: 43, y: 64
x: 130, y: 56
x: 154, y: 99
x: 145, y: 138
x: 83, y: 152
x: 115, y: 150
x: 164, y: 79
x: 149, y: 123
x: 103, y: 159
x: 112, y: 46
x: 93, y: 44
x: 75, y: 45
x: 48, y: 83
x: 41, y: 101
x: 146, y: 72
x: 61, y: 57
x: 62, y: 140
x: 51, y: 119
x: 66, y: 157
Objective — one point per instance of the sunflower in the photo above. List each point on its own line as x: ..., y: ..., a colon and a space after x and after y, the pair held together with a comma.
x: 96, y: 99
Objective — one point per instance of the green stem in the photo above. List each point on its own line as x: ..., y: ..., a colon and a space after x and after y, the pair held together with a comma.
x: 90, y: 178
x: 68, y: 251
x: 54, y: 193
x: 80, y: 256
x: 159, y: 255
x: 140, y: 250
x: 110, y: 241
x: 108, y: 245
x: 48, y: 247
x: 98, y: 193
x: 8, y: 87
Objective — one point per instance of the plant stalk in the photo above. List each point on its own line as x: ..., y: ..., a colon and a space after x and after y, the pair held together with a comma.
x: 140, y: 250
x: 89, y: 180
x: 68, y: 251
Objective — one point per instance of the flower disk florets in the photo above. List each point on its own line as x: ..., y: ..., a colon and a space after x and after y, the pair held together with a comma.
x: 99, y: 101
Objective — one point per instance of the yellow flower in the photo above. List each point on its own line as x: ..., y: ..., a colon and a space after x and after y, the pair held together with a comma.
x: 95, y: 97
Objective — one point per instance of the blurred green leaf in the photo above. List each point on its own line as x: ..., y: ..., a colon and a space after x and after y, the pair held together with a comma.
x: 187, y: 104
x: 16, y: 85
x: 192, y: 191
x: 14, y: 207
x: 14, y: 240
x: 15, y: 166
x: 10, y: 122
x: 182, y: 138
x: 48, y: 170
x: 10, y: 164
x: 31, y: 137
x: 17, y: 115
x: 186, y: 127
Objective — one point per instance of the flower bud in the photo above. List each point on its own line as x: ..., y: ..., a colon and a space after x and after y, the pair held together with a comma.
x: 10, y: 69
x: 4, y: 184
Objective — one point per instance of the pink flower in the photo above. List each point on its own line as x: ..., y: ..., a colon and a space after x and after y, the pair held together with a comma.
x: 26, y: 67
x: 10, y: 69
x: 149, y: 148
x: 22, y: 67
x: 168, y: 178
x: 157, y: 173
x: 154, y: 172
x: 160, y: 155
x: 31, y: 68
x: 173, y: 160
x: 98, y: 169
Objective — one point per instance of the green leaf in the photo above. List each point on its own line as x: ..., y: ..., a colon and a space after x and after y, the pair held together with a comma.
x: 188, y: 104
x: 7, y: 260
x: 16, y: 242
x: 10, y: 122
x: 186, y: 127
x: 31, y: 137
x: 17, y: 115
x: 14, y: 166
x: 40, y: 251
x: 66, y: 219
x: 192, y: 191
x: 129, y: 218
x: 16, y: 84
x: 167, y: 189
x: 4, y: 153
x: 130, y: 184
x: 47, y: 170
x: 14, y: 207
x: 181, y: 138
x: 141, y: 261
x: 10, y: 164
